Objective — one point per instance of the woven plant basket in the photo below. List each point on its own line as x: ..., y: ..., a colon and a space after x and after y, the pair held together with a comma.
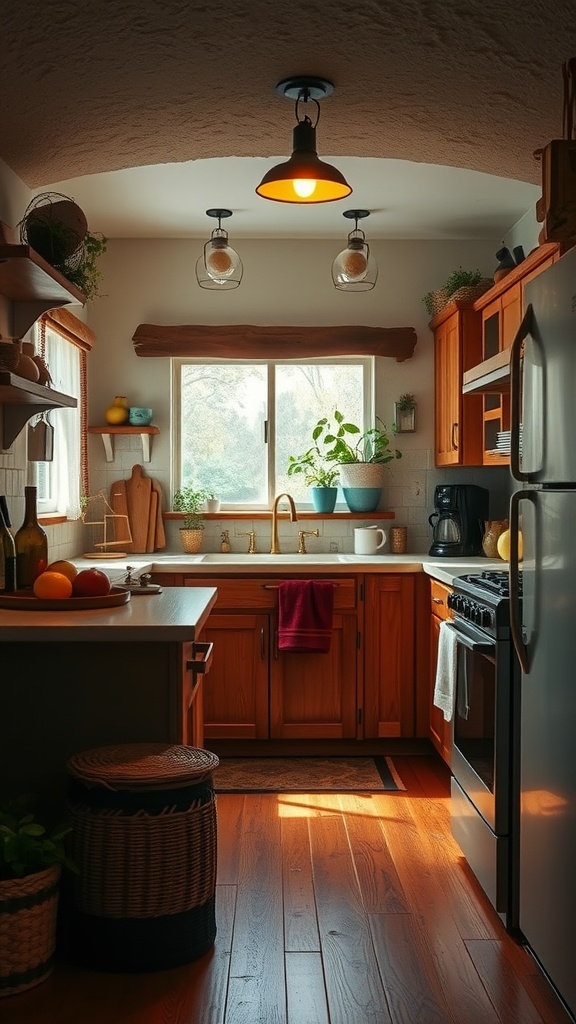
x: 28, y: 908
x: 191, y: 540
x: 471, y: 292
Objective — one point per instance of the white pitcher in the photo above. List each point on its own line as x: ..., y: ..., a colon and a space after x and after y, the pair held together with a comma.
x: 368, y: 539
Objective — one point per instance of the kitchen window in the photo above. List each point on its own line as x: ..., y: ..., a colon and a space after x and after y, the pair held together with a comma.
x: 62, y: 481
x: 236, y: 423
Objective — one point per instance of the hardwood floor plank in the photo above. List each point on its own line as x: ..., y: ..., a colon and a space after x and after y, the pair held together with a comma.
x: 522, y: 963
x: 257, y: 990
x: 508, y: 989
x: 300, y: 923
x: 382, y: 892
x: 305, y: 991
x: 229, y: 812
x: 408, y: 971
x: 354, y: 990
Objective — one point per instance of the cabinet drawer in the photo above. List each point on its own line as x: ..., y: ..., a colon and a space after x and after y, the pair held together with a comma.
x: 262, y: 593
x: 439, y: 599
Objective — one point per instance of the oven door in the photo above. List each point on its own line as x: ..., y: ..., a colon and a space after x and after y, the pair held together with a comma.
x: 481, y: 741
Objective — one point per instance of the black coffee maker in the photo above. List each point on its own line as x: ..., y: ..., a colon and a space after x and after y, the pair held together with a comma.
x: 458, y: 519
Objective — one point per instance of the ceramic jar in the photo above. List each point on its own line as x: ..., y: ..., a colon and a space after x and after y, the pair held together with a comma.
x: 26, y: 366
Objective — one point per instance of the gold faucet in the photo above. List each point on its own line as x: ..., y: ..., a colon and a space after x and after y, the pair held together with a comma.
x: 302, y: 534
x: 275, y: 546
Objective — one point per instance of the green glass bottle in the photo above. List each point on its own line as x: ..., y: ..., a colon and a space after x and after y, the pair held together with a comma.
x: 31, y: 544
x: 7, y: 551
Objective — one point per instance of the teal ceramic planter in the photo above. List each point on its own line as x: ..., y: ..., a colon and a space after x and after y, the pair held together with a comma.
x: 362, y: 499
x: 324, y: 498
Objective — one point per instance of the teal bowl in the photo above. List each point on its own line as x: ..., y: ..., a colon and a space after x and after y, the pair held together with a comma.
x: 362, y: 499
x: 139, y: 417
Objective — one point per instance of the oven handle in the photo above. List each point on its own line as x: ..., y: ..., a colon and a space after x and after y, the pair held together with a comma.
x: 515, y: 627
x: 477, y: 646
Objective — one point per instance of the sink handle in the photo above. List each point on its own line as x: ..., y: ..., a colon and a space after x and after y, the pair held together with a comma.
x: 251, y: 542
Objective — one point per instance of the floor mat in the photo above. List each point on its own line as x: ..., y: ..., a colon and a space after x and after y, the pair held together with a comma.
x: 306, y: 775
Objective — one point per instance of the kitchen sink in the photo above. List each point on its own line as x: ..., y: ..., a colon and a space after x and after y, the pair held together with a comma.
x: 256, y: 559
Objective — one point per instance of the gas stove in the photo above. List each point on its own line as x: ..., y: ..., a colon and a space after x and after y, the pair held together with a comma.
x: 484, y: 599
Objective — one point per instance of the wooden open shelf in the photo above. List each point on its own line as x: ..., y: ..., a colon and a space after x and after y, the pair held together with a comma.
x: 20, y: 400
x: 107, y: 432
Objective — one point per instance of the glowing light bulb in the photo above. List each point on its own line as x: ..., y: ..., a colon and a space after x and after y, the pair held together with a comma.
x: 219, y: 263
x: 304, y: 187
x: 354, y: 265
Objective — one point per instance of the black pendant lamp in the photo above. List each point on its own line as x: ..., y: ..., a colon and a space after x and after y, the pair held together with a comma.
x: 219, y: 267
x: 355, y: 269
x: 304, y: 178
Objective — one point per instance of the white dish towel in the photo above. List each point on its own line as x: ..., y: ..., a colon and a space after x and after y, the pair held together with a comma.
x: 446, y: 670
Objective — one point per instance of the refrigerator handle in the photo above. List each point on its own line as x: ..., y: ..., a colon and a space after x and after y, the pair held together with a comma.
x: 515, y: 625
x: 515, y: 384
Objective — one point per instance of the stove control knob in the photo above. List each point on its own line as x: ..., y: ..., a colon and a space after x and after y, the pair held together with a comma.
x: 486, y: 618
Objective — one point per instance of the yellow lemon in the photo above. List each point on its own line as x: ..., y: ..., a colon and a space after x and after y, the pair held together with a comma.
x: 115, y: 415
x: 503, y: 546
x: 52, y: 585
x: 122, y: 401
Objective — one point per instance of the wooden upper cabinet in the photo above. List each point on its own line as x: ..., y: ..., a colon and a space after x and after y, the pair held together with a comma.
x: 458, y: 418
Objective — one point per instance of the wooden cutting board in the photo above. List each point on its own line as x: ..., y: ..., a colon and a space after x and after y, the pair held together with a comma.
x: 151, y: 537
x: 138, y: 491
x: 119, y: 504
x: 160, y: 534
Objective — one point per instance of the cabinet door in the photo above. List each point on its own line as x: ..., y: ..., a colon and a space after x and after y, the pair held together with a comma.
x: 447, y: 371
x: 440, y: 729
x: 314, y: 696
x: 236, y: 690
x: 389, y: 658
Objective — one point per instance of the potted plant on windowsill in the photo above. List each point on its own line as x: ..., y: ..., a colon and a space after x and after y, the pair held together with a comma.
x: 31, y: 860
x: 191, y: 503
x: 320, y: 478
x: 360, y: 457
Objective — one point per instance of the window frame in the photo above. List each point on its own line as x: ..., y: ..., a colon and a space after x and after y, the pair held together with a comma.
x: 367, y: 364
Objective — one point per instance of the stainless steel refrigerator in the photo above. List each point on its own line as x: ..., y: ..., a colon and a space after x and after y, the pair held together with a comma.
x: 543, y: 461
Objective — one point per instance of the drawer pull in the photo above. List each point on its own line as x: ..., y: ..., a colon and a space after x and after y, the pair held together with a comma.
x: 201, y: 658
x: 437, y: 600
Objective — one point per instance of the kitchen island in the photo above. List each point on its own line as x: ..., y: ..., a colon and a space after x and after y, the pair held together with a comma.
x: 77, y: 679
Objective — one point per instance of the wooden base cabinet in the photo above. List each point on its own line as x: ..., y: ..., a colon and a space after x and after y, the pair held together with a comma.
x: 255, y: 691
x: 313, y: 696
x: 440, y: 729
x: 389, y: 656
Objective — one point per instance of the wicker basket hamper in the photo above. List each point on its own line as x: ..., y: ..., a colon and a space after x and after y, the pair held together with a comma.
x: 144, y: 839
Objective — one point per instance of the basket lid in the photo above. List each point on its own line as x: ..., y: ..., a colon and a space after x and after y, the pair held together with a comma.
x: 139, y: 765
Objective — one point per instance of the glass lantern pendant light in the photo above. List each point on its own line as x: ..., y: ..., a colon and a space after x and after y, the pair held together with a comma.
x: 355, y: 269
x: 219, y: 267
x: 304, y: 178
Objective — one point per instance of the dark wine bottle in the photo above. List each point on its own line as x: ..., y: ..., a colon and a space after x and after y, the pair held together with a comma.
x: 7, y: 552
x: 31, y: 544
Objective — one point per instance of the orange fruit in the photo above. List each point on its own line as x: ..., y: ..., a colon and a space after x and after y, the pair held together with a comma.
x: 52, y: 585
x: 64, y: 568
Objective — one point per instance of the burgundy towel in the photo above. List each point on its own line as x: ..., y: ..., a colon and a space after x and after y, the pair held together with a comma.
x: 305, y: 616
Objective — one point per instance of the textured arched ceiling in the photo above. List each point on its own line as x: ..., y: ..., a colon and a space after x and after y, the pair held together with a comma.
x: 102, y: 86
x: 148, y: 112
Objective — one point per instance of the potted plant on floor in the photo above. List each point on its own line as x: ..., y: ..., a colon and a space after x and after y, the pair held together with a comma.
x: 322, y: 479
x: 360, y: 457
x: 31, y: 860
x: 191, y: 503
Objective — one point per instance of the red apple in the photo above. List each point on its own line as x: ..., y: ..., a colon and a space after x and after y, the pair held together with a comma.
x: 91, y: 583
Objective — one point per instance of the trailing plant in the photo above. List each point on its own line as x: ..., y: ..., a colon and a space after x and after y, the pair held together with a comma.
x: 26, y: 846
x: 345, y: 443
x: 86, y: 274
x: 190, y: 502
x: 311, y: 464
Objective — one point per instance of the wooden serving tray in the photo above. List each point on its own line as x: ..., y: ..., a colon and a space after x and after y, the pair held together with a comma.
x: 23, y: 600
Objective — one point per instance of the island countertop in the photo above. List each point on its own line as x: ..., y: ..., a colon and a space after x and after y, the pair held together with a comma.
x: 176, y: 614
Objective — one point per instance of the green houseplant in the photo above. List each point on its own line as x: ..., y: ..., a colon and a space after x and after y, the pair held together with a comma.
x: 360, y: 456
x: 190, y: 502
x: 31, y: 859
x: 462, y: 284
x: 321, y: 478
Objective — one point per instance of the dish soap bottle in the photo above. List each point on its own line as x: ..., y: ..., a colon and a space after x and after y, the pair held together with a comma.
x: 31, y: 544
x: 225, y: 546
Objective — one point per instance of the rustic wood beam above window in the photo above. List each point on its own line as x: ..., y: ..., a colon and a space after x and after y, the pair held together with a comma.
x: 70, y: 327
x: 243, y: 341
